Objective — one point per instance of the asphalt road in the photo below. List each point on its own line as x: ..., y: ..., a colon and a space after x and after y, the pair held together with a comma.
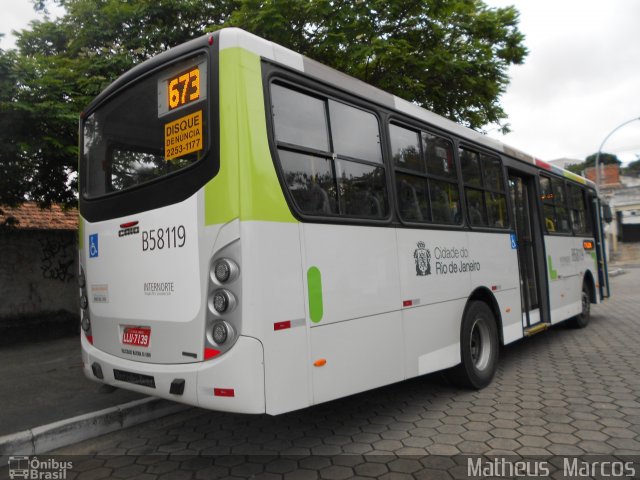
x: 562, y: 392
x: 42, y: 382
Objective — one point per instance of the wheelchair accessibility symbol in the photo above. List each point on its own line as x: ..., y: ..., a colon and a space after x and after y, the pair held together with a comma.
x: 93, y: 245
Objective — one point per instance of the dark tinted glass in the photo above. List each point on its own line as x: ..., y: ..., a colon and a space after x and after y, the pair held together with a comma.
x: 496, y: 209
x: 299, y: 119
x: 550, y: 222
x: 470, y: 165
x: 476, y: 208
x: 439, y: 156
x: 492, y: 173
x: 310, y: 181
x: 413, y: 198
x: 405, y: 148
x: 131, y: 138
x: 562, y: 215
x: 578, y: 222
x: 354, y: 132
x: 558, y: 191
x: 445, y: 202
x: 546, y: 194
x: 362, y: 189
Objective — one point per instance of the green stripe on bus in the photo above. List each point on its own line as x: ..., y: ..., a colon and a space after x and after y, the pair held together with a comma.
x: 553, y: 274
x: 314, y: 285
x: 246, y: 185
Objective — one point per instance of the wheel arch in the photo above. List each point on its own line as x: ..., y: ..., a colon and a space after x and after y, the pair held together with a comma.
x: 483, y: 294
x: 591, y: 284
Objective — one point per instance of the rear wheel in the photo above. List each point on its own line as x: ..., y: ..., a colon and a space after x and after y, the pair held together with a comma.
x: 582, y: 320
x: 478, y: 348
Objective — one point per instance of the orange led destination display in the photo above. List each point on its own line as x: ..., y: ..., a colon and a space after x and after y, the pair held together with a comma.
x: 184, y: 88
x: 183, y: 136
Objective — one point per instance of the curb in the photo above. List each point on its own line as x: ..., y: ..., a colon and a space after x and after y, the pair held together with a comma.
x: 37, y: 440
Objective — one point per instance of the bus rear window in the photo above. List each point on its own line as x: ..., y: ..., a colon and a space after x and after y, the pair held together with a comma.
x: 149, y: 129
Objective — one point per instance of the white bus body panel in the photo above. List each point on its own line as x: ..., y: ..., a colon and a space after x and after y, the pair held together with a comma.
x: 567, y: 264
x: 273, y: 292
x: 240, y: 369
x: 122, y: 281
x: 360, y: 333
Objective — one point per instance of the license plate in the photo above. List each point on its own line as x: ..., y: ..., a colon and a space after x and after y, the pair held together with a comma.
x: 138, y: 336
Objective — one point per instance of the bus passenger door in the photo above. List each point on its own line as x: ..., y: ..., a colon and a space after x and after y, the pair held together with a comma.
x: 597, y: 223
x: 529, y: 242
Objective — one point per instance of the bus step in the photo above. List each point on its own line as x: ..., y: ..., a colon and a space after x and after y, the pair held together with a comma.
x: 537, y: 328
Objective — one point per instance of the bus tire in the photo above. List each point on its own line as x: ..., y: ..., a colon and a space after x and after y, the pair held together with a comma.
x: 479, y: 348
x: 582, y: 320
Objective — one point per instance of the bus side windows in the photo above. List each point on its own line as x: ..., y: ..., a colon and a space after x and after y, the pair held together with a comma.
x: 299, y: 119
x: 426, y: 181
x: 578, y: 210
x: 362, y: 188
x: 310, y: 181
x: 554, y: 201
x: 330, y: 155
x: 484, y: 189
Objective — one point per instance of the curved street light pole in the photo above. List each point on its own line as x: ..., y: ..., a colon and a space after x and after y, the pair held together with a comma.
x: 597, y: 166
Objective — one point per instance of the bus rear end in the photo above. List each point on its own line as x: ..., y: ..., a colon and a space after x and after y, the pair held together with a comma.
x: 160, y: 291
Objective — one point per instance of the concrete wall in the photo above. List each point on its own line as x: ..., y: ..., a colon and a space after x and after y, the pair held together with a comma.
x: 38, y: 272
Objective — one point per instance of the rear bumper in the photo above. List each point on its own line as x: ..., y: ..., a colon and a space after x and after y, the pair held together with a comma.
x: 239, y: 371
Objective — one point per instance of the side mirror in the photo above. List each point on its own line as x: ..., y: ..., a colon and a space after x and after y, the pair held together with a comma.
x: 607, y: 216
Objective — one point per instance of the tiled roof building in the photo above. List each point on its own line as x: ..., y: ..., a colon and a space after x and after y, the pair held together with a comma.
x: 29, y: 216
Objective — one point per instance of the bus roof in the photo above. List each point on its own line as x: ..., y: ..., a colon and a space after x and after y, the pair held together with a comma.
x: 236, y: 37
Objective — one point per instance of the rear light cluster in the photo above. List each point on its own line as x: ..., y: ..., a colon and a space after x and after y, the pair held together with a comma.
x: 222, y: 305
x: 85, y: 321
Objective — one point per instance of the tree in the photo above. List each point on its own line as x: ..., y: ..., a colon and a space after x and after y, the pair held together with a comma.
x: 450, y: 56
x: 633, y: 169
x: 605, y: 159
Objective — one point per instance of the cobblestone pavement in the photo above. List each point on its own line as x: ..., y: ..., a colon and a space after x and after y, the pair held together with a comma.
x: 562, y: 392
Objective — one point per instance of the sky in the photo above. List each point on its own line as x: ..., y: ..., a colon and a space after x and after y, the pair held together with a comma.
x: 579, y: 82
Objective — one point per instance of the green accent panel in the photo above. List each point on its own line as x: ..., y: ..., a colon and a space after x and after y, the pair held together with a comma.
x: 80, y: 232
x: 553, y: 274
x: 314, y: 285
x: 247, y: 185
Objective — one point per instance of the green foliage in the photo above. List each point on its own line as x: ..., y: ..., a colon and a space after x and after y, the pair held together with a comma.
x: 605, y: 159
x: 576, y: 168
x: 633, y: 169
x: 450, y: 56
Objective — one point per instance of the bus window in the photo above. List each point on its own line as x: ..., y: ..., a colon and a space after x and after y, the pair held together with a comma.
x: 299, y: 119
x: 362, y: 189
x: 546, y: 195
x: 470, y: 164
x: 484, y: 189
x: 577, y: 210
x: 134, y: 138
x: 330, y: 155
x: 413, y: 198
x: 310, y: 182
x: 425, y: 195
x: 405, y: 148
x: 354, y: 132
x: 445, y: 202
x: 560, y: 203
x: 439, y: 153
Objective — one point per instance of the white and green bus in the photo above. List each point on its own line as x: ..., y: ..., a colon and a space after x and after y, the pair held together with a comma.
x: 260, y: 233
